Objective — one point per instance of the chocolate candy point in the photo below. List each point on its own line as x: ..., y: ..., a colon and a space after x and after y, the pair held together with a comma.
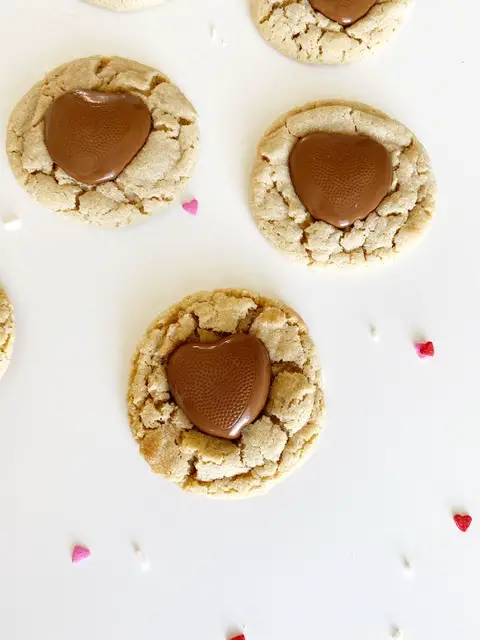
x: 345, y: 12
x: 93, y: 135
x: 338, y: 177
x: 221, y: 387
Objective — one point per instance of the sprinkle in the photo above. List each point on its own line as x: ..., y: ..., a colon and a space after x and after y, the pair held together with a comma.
x: 374, y: 333
x: 142, y: 558
x: 396, y: 634
x: 462, y: 521
x: 240, y: 637
x: 80, y: 553
x: 425, y: 349
x: 213, y: 33
x: 224, y: 44
x: 12, y: 224
x: 407, y: 567
x: 191, y: 207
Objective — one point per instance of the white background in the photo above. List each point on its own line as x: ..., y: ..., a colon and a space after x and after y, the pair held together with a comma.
x: 320, y: 556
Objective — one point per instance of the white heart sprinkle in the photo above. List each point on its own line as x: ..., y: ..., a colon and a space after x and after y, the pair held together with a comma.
x: 142, y: 558
x: 12, y: 224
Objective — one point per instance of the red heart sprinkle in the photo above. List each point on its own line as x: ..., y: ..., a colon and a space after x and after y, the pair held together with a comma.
x: 462, y: 521
x: 240, y: 637
x: 425, y: 349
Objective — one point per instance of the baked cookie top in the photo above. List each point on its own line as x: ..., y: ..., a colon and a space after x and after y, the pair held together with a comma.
x: 299, y: 31
x: 7, y: 331
x: 126, y: 5
x: 150, y: 182
x: 401, y: 218
x: 269, y: 448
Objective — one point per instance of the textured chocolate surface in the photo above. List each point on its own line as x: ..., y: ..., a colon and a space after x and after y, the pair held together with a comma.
x: 339, y: 177
x: 345, y: 12
x: 221, y: 387
x: 93, y: 135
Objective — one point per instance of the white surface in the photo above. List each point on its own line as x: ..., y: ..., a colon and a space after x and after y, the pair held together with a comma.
x: 322, y: 555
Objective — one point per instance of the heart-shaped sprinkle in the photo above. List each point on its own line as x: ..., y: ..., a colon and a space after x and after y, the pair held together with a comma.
x: 223, y: 386
x: 345, y: 12
x: 462, y: 521
x: 191, y: 207
x: 93, y: 136
x: 80, y: 553
x: 338, y: 177
x: 425, y: 349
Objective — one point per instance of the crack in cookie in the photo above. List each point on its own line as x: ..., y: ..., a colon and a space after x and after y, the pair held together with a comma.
x: 400, y: 220
x: 156, y: 176
x: 269, y: 448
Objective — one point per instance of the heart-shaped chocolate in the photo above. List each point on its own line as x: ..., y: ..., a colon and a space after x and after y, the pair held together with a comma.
x: 345, y: 12
x: 339, y: 177
x: 223, y: 386
x: 92, y: 135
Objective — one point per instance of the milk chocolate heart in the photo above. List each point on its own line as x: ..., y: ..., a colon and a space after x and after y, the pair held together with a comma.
x: 221, y: 387
x: 339, y: 177
x: 92, y: 136
x: 345, y: 12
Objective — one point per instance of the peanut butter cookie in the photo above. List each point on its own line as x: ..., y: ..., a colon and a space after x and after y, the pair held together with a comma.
x: 273, y: 440
x: 126, y: 5
x: 341, y: 184
x: 328, y: 31
x: 7, y: 332
x: 95, y: 130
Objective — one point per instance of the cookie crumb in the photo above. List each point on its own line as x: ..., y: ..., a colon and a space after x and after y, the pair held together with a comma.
x: 425, y: 349
x: 191, y: 207
x: 143, y: 561
x: 80, y: 553
x: 374, y: 333
x: 12, y: 224
x: 463, y: 521
x: 396, y: 634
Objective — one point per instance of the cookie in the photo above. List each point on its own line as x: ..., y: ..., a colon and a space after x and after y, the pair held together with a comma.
x: 277, y: 436
x: 126, y: 5
x: 96, y: 130
x: 344, y: 210
x: 7, y: 332
x: 301, y: 29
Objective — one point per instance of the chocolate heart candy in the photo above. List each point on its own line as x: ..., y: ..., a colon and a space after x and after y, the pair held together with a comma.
x: 221, y: 387
x: 345, y: 12
x: 338, y: 177
x: 92, y: 136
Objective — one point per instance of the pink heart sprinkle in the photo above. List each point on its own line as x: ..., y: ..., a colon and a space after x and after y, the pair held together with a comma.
x: 80, y: 553
x: 191, y: 207
x: 425, y: 349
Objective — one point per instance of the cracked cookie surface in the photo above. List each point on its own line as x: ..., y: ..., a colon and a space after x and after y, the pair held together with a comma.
x: 126, y: 5
x: 269, y: 448
x: 400, y: 220
x: 7, y: 331
x: 154, y: 178
x: 297, y: 30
